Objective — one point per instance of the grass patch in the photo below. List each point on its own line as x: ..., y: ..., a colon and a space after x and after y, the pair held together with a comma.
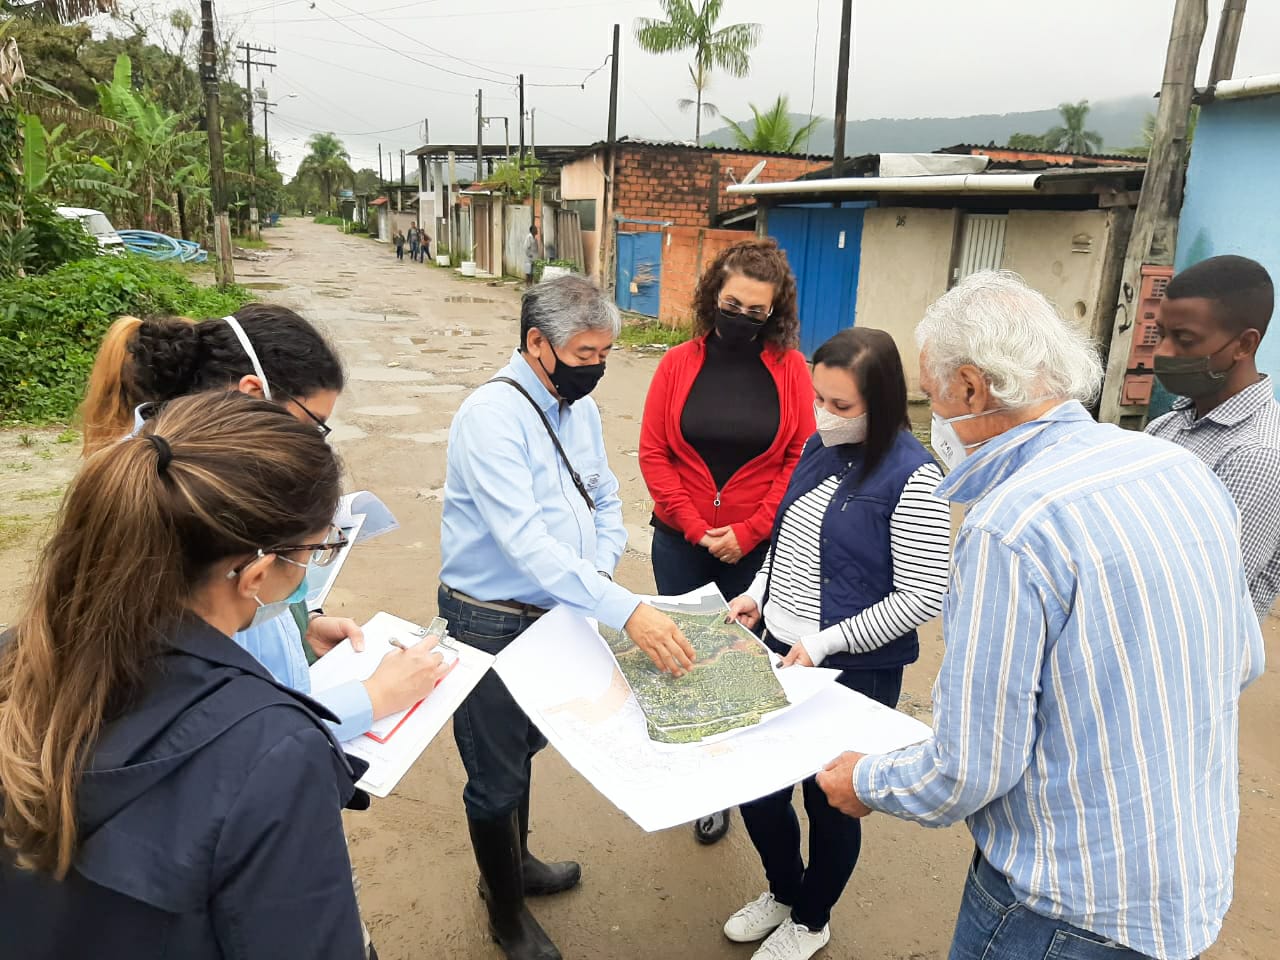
x: 249, y: 243
x: 68, y: 435
x: 651, y: 333
x: 329, y: 221
x: 14, y: 527
x: 37, y: 496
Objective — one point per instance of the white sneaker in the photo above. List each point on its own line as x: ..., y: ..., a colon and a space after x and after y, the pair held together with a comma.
x: 756, y: 920
x: 793, y: 941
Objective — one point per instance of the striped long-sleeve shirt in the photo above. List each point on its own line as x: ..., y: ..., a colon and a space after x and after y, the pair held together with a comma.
x: 1098, y: 633
x: 920, y: 550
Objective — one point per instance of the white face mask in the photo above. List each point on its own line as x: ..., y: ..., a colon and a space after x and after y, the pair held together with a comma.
x: 835, y: 429
x: 946, y: 442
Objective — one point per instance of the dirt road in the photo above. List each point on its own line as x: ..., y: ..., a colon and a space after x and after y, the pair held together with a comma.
x: 415, y: 340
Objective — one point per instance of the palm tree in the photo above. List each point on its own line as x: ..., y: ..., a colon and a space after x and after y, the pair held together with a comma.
x: 327, y: 162
x: 773, y: 130
x: 1072, y: 137
x: 59, y: 11
x: 686, y: 28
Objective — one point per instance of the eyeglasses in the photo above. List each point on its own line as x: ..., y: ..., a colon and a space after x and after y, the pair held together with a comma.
x: 754, y: 314
x: 322, y: 554
x: 323, y: 427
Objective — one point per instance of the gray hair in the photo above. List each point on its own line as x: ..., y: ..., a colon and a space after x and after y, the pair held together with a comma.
x: 1012, y: 333
x: 564, y: 307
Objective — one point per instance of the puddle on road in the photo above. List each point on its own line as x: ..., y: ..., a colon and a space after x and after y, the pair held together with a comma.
x: 342, y: 294
x: 272, y: 285
x: 467, y: 298
x: 386, y: 411
x: 390, y: 374
x: 435, y: 436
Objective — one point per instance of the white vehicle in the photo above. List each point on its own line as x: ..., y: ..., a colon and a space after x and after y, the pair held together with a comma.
x: 97, y: 225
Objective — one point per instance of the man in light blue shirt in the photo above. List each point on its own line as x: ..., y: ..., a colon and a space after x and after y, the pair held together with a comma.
x: 532, y: 519
x: 1099, y: 632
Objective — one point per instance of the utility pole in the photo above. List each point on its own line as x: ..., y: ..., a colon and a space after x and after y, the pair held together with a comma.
x: 521, y: 164
x: 249, y: 63
x: 266, y: 139
x: 613, y: 88
x: 479, y: 135
x: 1155, y: 223
x: 1228, y: 42
x: 533, y: 137
x: 222, y: 265
x: 842, y: 89
x: 379, y: 168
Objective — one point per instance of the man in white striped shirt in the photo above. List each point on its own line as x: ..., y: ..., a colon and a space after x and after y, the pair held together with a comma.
x: 1099, y: 632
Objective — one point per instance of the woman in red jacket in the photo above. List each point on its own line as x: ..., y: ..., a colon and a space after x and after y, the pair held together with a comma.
x: 727, y: 416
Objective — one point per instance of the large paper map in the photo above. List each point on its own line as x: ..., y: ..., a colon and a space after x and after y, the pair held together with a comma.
x: 564, y: 677
x: 732, y: 684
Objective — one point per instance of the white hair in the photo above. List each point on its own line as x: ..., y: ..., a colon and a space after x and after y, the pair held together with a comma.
x: 992, y: 320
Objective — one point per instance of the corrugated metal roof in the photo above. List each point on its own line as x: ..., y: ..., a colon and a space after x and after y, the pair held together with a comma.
x: 963, y: 148
x: 701, y: 148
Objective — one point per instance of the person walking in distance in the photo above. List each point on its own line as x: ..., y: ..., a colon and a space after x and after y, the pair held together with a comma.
x: 414, y: 238
x: 725, y: 419
x: 530, y: 255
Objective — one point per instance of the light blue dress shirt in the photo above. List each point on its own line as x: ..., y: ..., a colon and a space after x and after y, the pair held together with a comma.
x: 277, y: 645
x: 514, y: 526
x: 1099, y: 631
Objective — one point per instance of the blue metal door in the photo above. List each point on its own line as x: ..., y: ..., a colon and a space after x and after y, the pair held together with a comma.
x: 824, y: 247
x: 639, y: 272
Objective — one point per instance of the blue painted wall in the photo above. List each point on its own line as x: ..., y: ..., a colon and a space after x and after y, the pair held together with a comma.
x: 1232, y: 202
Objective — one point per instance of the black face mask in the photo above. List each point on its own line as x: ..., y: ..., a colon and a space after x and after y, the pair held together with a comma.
x: 736, y: 329
x: 572, y: 383
x: 1191, y: 376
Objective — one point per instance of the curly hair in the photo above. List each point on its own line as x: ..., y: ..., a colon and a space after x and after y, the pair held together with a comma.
x: 760, y: 260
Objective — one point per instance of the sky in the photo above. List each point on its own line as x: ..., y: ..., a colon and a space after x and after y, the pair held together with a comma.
x: 372, y: 71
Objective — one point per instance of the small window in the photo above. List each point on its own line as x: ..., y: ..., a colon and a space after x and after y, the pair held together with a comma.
x: 586, y: 211
x: 981, y: 244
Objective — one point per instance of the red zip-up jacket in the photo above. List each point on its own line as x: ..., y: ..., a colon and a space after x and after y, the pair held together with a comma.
x: 684, y: 495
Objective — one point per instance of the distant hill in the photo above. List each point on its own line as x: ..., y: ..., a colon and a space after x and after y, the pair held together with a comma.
x: 1119, y: 121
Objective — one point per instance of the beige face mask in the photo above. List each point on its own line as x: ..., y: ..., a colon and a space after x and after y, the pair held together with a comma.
x: 835, y: 429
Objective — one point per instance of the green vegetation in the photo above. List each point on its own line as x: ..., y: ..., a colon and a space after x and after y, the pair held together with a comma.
x: 14, y: 527
x: 251, y: 243
x: 773, y: 130
x: 329, y: 221
x: 689, y: 28
x: 1070, y: 136
x: 329, y: 163
x: 50, y: 325
x: 518, y: 183
x: 650, y: 333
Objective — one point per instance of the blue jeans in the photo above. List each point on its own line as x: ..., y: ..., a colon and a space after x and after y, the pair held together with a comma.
x: 993, y: 925
x: 495, y: 739
x: 835, y: 840
x: 680, y: 566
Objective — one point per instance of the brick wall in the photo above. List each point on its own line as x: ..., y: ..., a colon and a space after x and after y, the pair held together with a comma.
x: 674, y: 183
x: 686, y: 251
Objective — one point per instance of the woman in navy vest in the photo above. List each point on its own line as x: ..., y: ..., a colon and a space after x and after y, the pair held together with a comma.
x: 858, y: 560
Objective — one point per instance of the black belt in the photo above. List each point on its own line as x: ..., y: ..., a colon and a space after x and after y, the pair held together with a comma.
x: 526, y: 610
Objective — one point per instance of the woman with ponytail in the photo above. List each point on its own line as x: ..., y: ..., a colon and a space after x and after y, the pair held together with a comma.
x: 268, y: 351
x: 161, y: 794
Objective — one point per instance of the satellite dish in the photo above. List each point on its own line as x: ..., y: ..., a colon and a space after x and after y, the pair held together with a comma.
x: 755, y: 172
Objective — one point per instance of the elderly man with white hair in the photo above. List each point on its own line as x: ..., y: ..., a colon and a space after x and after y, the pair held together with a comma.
x: 1098, y: 633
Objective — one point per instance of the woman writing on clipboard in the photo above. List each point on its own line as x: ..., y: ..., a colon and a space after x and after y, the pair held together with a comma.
x: 161, y: 794
x: 271, y: 352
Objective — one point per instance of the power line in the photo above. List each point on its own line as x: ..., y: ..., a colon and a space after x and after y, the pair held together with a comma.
x: 813, y: 82
x: 645, y: 104
x: 342, y: 133
x: 375, y: 76
x: 422, y: 43
x: 505, y: 63
x: 459, y: 16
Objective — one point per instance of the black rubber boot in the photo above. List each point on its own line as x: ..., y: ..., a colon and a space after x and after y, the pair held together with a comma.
x: 497, y: 847
x: 542, y: 879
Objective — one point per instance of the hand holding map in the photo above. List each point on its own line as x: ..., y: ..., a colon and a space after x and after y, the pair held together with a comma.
x: 657, y: 635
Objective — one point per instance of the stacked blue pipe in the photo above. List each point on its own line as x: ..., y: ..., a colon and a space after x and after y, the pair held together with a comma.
x: 161, y: 246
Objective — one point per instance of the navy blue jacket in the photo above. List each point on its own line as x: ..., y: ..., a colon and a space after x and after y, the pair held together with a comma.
x: 209, y: 826
x: 857, y: 563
